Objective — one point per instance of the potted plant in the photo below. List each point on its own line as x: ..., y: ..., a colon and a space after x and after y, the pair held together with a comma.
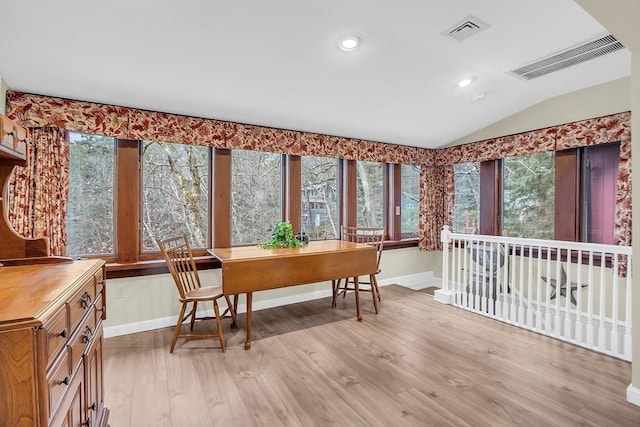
x: 282, y: 237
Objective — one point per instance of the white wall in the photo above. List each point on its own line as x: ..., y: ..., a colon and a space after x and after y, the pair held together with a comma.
x: 3, y: 96
x: 608, y: 98
x: 142, y: 303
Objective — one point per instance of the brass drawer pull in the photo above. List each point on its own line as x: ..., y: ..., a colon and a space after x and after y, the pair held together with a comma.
x: 65, y: 381
x: 62, y: 333
x: 85, y: 300
x: 87, y: 334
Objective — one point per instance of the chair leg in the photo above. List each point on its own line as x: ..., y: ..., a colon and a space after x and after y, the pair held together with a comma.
x: 344, y: 290
x: 176, y: 332
x: 374, y: 292
x: 232, y: 310
x: 193, y: 314
x: 335, y: 284
x: 374, y: 281
x: 219, y: 325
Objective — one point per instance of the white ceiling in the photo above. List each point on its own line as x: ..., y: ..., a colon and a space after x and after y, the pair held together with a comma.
x: 276, y: 63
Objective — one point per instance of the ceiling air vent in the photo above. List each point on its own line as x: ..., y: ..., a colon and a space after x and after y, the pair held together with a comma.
x: 583, y: 52
x: 465, y: 28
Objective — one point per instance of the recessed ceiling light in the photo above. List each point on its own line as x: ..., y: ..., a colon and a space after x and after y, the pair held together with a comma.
x: 478, y: 96
x: 350, y: 42
x: 466, y: 81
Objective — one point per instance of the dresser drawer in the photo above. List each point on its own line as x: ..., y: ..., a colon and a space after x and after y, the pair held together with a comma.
x: 81, y: 302
x: 58, y: 382
x: 100, y: 309
x: 57, y: 333
x: 82, y: 338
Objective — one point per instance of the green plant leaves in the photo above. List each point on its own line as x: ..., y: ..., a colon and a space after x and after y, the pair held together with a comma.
x: 282, y: 237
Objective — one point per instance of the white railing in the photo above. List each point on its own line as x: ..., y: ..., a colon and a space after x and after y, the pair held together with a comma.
x: 576, y: 292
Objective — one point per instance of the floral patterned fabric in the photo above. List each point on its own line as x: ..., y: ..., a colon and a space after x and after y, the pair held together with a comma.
x: 436, y: 176
x: 594, y: 131
x: 38, y: 193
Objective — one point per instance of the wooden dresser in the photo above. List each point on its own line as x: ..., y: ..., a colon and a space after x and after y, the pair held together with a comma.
x: 51, y: 371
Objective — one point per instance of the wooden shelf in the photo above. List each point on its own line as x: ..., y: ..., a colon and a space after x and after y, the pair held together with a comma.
x: 13, y: 142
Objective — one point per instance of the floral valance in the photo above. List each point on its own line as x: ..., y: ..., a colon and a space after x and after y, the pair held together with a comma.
x: 33, y: 111
x: 599, y: 130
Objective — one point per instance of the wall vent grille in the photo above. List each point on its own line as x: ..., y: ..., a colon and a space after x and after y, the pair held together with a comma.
x: 583, y: 52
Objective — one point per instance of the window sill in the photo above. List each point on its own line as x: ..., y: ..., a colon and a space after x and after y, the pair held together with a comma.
x: 155, y: 266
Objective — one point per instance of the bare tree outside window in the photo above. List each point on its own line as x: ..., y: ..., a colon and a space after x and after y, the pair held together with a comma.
x: 319, y: 198
x: 90, y: 227
x: 370, y: 190
x: 466, y: 210
x: 528, y: 195
x: 256, y: 188
x: 410, y: 200
x: 175, y: 195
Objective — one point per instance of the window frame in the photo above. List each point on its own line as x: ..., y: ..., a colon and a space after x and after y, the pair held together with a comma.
x: 129, y: 259
x: 569, y: 197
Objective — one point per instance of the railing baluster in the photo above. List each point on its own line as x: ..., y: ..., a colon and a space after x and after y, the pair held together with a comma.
x: 590, y: 328
x: 601, y: 330
x: 538, y: 292
x: 614, y: 307
x: 567, y: 300
x: 556, y: 319
x: 547, y: 310
x: 529, y: 290
x: 578, y: 321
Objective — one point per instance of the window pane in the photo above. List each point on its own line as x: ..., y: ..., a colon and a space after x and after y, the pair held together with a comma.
x: 369, y: 187
x: 175, y: 193
x: 319, y: 198
x: 410, y: 200
x: 600, y: 172
x: 90, y: 228
x: 528, y: 193
x: 256, y: 188
x: 466, y: 209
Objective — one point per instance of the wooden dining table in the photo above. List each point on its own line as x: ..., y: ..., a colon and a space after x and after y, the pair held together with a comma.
x: 247, y: 269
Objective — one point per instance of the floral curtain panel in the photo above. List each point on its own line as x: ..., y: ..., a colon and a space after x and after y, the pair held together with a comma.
x: 38, y: 193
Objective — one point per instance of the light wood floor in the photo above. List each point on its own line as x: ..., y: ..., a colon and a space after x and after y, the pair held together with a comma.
x: 418, y: 363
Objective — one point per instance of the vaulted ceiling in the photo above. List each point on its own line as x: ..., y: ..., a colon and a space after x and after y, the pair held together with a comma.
x: 278, y: 63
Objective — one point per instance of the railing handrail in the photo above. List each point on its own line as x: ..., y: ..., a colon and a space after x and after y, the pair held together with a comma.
x: 560, y: 244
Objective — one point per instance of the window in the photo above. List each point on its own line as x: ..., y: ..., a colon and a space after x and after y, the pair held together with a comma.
x: 409, y: 200
x: 256, y: 196
x: 466, y: 210
x: 126, y: 193
x: 90, y: 212
x: 319, y: 198
x: 370, y: 191
x: 599, y: 176
x: 528, y: 196
x: 175, y: 193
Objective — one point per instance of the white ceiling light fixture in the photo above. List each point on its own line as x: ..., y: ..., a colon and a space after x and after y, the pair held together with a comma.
x: 350, y: 42
x: 466, y: 81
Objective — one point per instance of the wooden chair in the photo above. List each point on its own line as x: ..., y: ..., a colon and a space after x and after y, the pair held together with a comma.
x: 177, y: 253
x: 369, y: 235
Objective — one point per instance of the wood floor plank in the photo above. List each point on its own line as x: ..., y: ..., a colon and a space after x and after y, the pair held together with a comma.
x: 416, y: 363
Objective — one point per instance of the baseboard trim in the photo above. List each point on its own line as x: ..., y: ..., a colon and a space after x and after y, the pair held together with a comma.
x: 416, y: 281
x: 633, y: 395
x: 413, y: 281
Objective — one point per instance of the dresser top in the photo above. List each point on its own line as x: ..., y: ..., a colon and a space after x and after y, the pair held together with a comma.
x: 30, y: 294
